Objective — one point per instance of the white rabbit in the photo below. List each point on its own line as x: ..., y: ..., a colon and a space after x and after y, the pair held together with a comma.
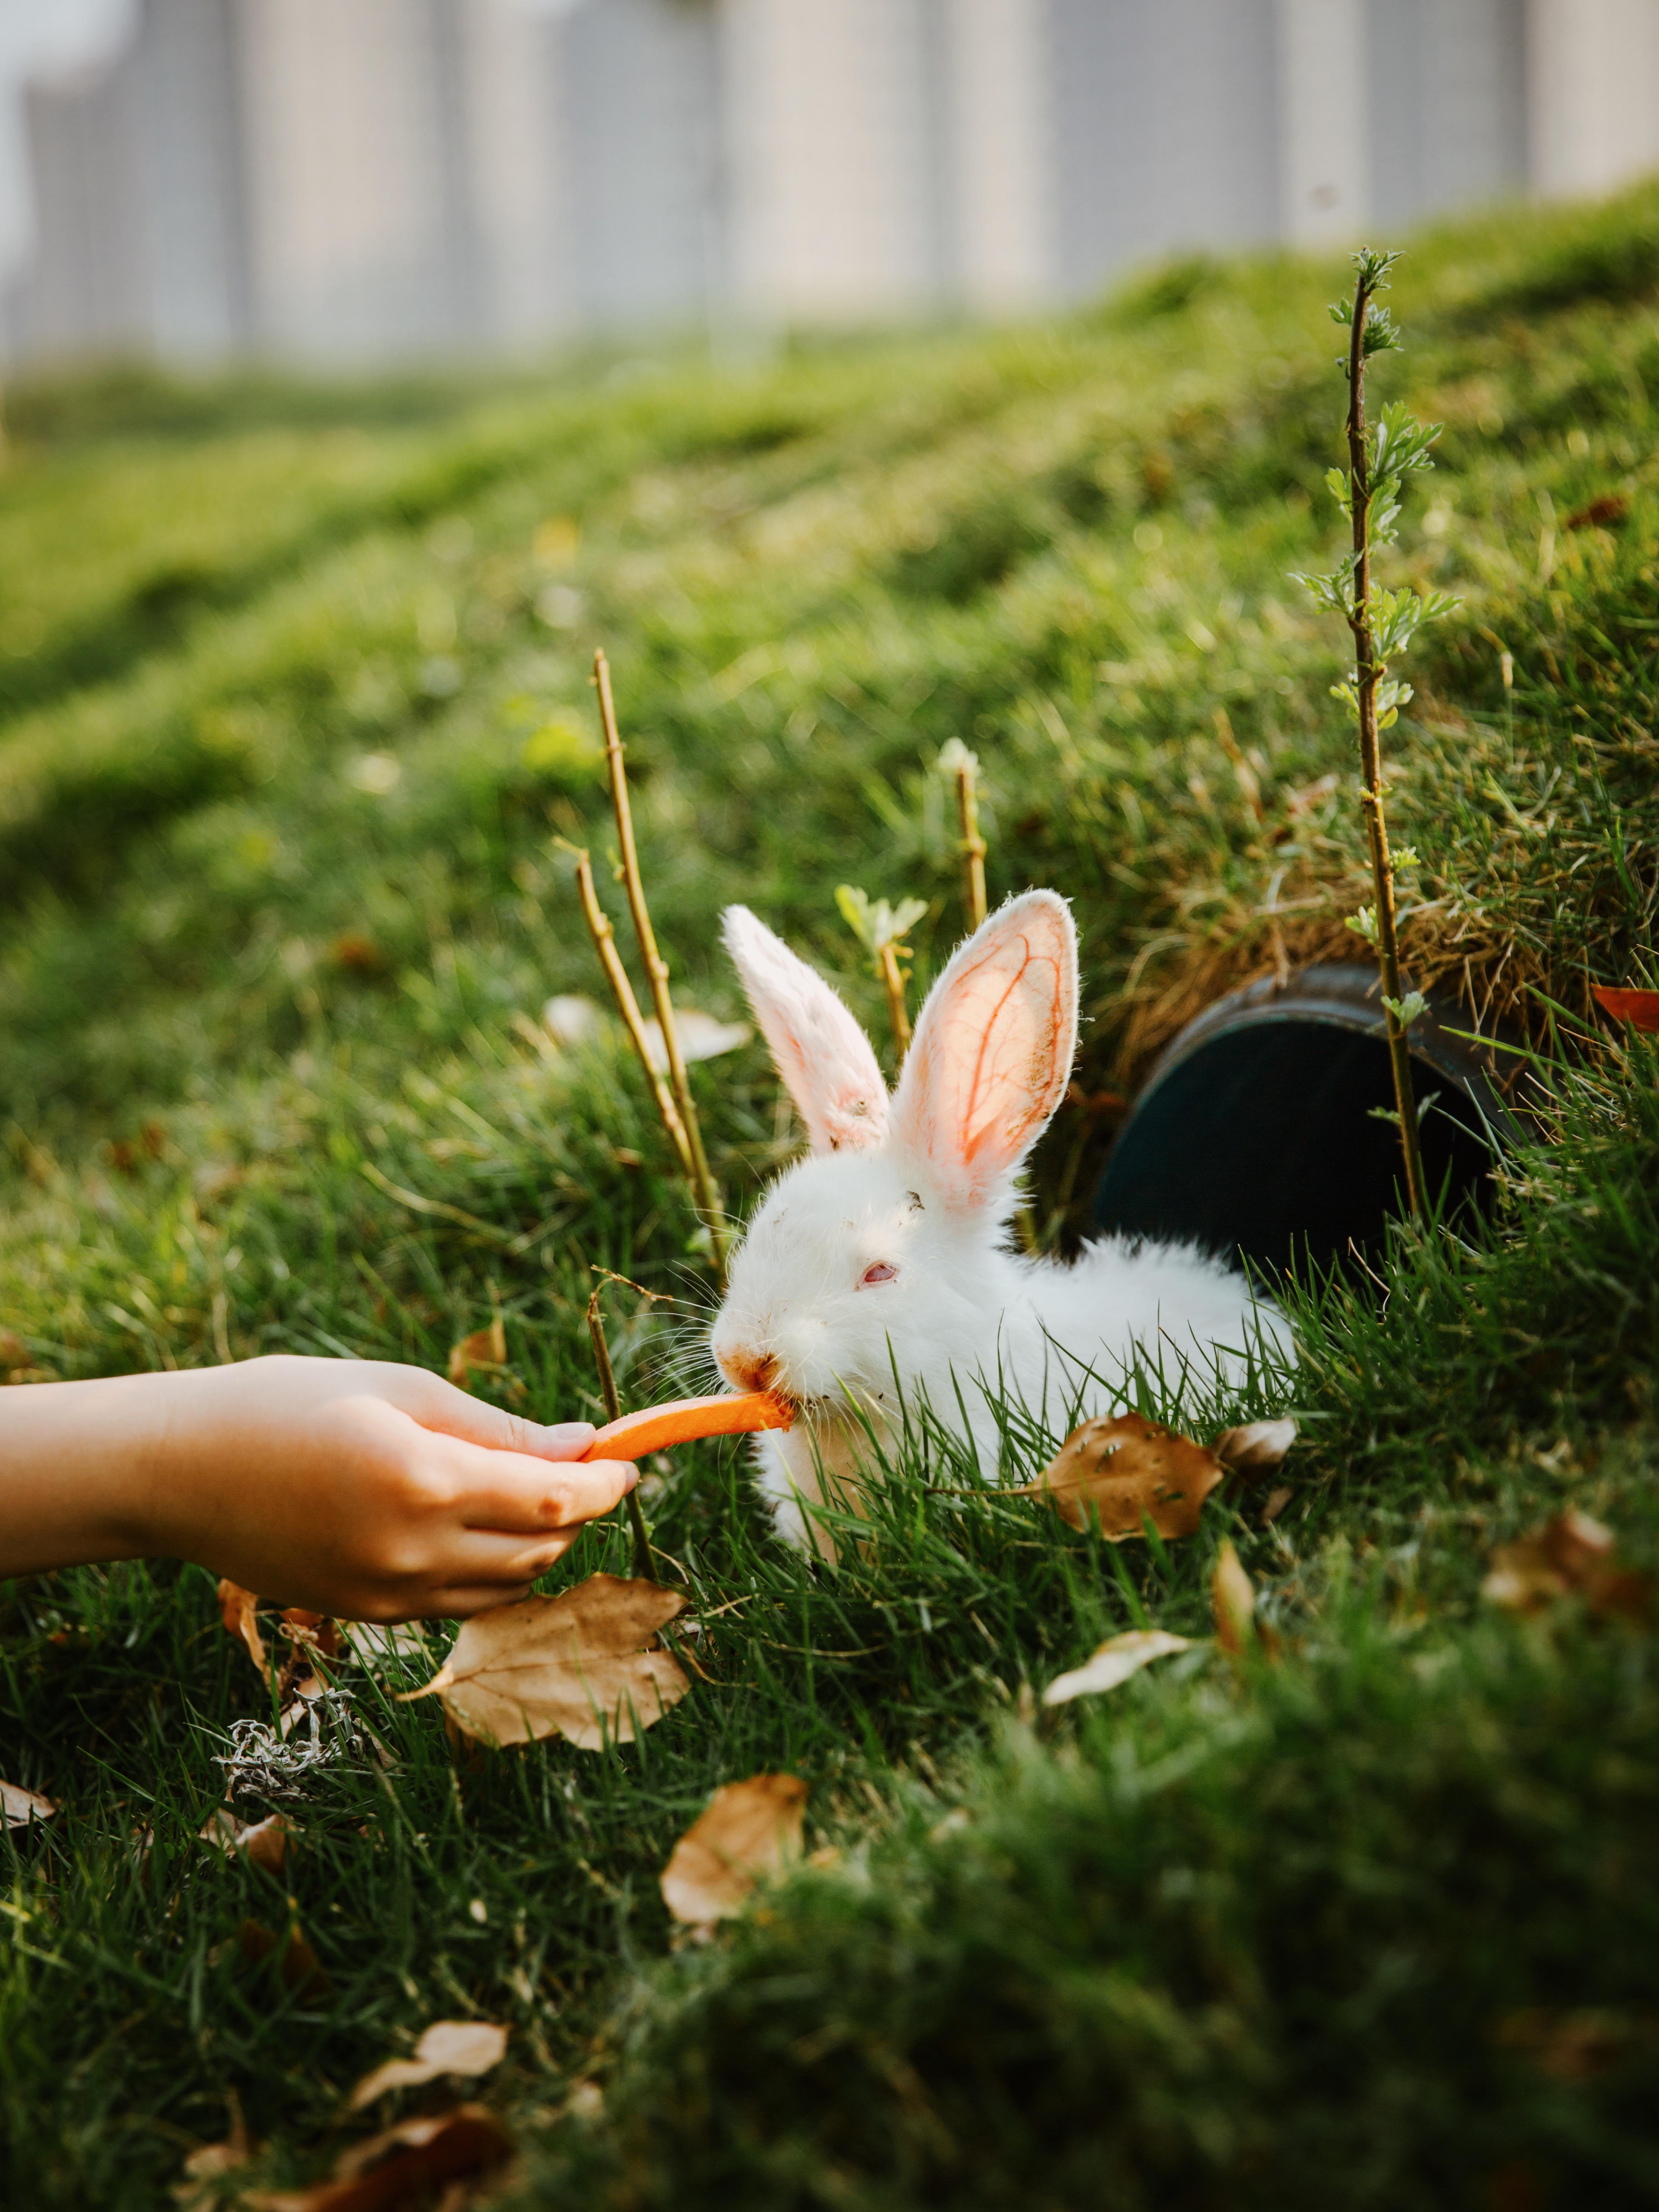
x: 880, y: 1261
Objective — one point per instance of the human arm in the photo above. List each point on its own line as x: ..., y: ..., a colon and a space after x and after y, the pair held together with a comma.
x: 363, y: 1488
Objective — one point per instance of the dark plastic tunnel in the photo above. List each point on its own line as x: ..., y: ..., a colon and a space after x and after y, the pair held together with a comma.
x: 1259, y: 1133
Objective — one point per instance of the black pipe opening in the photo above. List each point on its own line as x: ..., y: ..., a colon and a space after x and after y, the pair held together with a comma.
x: 1259, y: 1133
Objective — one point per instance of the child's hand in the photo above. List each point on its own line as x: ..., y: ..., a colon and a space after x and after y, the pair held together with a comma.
x: 360, y: 1488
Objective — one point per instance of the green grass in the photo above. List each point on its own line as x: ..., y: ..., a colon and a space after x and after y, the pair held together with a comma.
x: 1375, y: 1925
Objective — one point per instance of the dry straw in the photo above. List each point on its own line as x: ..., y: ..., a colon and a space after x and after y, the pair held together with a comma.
x: 673, y: 1097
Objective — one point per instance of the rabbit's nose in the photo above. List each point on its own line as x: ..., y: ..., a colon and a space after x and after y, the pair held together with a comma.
x: 749, y: 1370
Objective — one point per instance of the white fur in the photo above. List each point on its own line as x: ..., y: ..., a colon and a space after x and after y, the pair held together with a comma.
x: 932, y: 1196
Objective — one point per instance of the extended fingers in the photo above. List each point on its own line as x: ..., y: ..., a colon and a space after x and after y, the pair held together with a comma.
x: 476, y: 1558
x: 461, y: 1604
x: 469, y: 1569
x: 445, y: 1410
x: 456, y: 1603
x: 510, y: 1492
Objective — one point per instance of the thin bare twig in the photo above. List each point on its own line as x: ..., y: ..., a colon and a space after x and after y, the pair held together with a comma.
x: 604, y: 944
x: 656, y: 968
x: 1367, y: 673
x: 642, y: 1564
x: 973, y: 845
x: 888, y: 956
x: 629, y: 1284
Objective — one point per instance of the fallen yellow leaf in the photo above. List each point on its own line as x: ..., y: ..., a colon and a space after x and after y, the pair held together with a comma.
x: 1128, y: 1471
x: 406, y: 2165
x: 1232, y: 1594
x: 749, y: 1830
x: 262, y: 1843
x: 449, y: 2046
x: 576, y: 1665
x: 485, y: 1347
x: 310, y: 1636
x: 18, y: 1806
x: 237, y: 1609
x: 1570, y: 1554
x: 1116, y: 1659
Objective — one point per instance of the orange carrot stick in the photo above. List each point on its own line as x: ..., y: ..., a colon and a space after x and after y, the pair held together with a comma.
x: 654, y: 1428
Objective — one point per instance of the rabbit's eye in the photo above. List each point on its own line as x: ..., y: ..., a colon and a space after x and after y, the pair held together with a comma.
x: 880, y: 1272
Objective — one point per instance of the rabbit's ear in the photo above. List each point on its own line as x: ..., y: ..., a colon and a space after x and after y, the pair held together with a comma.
x: 993, y: 1050
x: 818, y: 1049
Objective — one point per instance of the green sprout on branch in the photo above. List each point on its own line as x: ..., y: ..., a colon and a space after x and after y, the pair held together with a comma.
x: 1383, y: 624
x: 881, y: 929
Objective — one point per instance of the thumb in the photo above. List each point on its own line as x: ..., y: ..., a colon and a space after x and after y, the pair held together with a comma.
x: 452, y: 1412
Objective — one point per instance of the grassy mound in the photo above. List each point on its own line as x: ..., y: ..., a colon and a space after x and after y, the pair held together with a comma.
x: 297, y: 729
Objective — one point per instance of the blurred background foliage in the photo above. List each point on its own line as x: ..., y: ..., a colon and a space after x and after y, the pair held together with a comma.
x: 300, y: 686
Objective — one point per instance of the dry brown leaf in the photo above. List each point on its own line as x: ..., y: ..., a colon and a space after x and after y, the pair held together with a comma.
x: 1603, y: 514
x: 576, y: 1665
x: 1258, y: 1448
x: 237, y: 1608
x: 403, y: 2165
x: 1276, y: 1500
x: 748, y: 1831
x: 1232, y: 1594
x: 221, y: 1828
x: 1640, y: 1008
x: 1115, y: 1661
x: 1570, y: 1554
x: 318, y: 1631
x: 311, y: 1637
x: 485, y: 1347
x: 18, y: 1806
x: 265, y: 1844
x: 1129, y: 1471
x: 449, y: 2046
x: 262, y: 1843
x: 482, y: 2131
x: 300, y: 1969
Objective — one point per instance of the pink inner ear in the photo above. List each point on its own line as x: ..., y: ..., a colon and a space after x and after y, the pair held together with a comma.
x: 823, y: 1056
x: 993, y: 1047
x: 998, y: 1057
